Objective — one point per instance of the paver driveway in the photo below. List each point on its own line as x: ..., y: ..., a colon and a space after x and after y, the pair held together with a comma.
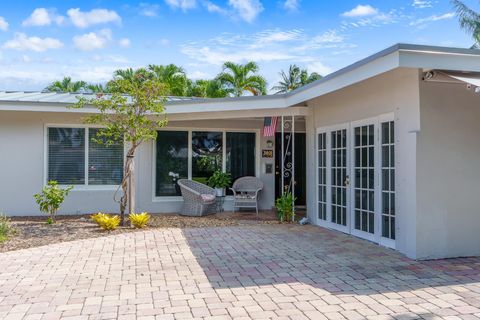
x: 260, y: 272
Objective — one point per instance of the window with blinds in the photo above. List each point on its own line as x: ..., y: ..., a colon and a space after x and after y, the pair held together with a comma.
x: 66, y: 155
x: 105, y: 162
x: 76, y: 156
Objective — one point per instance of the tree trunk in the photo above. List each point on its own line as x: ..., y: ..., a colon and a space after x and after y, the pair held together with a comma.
x: 131, y: 188
x: 128, y: 185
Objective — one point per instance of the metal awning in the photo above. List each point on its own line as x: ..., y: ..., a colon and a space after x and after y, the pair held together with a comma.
x: 469, y: 78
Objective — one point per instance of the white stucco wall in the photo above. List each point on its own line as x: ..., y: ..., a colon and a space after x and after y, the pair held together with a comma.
x: 22, y: 165
x: 448, y: 172
x: 395, y: 92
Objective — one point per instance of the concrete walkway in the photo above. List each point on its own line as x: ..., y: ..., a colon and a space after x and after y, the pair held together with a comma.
x: 248, y: 272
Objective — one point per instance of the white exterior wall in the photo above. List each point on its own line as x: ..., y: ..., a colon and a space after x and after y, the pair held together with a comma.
x: 448, y: 172
x: 22, y: 166
x: 392, y: 92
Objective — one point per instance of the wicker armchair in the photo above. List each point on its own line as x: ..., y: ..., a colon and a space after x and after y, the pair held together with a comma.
x: 198, y: 199
x: 245, y: 192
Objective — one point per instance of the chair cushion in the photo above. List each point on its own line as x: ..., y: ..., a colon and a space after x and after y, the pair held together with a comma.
x: 207, y: 197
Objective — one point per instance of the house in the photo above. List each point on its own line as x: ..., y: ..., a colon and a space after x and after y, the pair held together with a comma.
x: 386, y: 149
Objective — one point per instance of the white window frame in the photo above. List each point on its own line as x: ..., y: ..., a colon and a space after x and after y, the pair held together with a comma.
x: 76, y: 187
x: 224, y: 132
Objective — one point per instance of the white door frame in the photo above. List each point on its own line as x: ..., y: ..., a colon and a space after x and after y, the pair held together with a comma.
x: 349, y: 228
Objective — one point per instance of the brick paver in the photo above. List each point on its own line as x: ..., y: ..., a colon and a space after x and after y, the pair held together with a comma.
x: 247, y: 272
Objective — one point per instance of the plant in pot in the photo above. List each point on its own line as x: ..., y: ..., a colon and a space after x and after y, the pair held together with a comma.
x: 219, y: 180
x: 284, y: 206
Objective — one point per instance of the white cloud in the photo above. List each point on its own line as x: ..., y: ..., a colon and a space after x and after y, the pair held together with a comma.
x: 328, y: 37
x: 22, y: 42
x: 247, y: 10
x: 276, y: 35
x: 3, y: 24
x: 361, y: 11
x: 291, y: 5
x: 319, y: 67
x: 43, y: 17
x: 148, y: 9
x: 433, y: 18
x: 198, y: 75
x: 92, y: 40
x: 213, y: 8
x: 124, y: 42
x: 96, y: 16
x: 422, y: 4
x: 266, y: 46
x: 182, y: 4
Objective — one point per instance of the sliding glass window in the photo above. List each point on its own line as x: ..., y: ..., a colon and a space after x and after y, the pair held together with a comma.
x: 209, y: 150
x: 207, y: 154
x: 172, y: 162
x: 240, y: 154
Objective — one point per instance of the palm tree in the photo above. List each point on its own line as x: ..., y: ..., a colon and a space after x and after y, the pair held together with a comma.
x: 290, y: 81
x: 295, y: 78
x: 97, y: 88
x: 130, y: 74
x: 236, y: 79
x: 206, y: 89
x: 306, y: 78
x: 469, y: 21
x: 66, y: 85
x: 174, y: 77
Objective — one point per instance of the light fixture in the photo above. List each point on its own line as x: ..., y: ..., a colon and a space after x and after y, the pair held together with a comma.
x: 269, y: 144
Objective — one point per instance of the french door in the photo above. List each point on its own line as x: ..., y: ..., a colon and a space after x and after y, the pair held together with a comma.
x: 355, y: 179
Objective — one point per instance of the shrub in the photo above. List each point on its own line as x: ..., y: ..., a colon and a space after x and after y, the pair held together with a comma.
x: 106, y: 221
x: 284, y: 206
x: 6, y: 228
x: 139, y: 220
x: 51, y: 198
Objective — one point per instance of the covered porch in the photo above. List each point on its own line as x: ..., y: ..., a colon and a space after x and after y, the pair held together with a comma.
x: 195, y: 145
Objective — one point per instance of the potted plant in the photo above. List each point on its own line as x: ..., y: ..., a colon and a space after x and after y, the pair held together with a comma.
x: 219, y: 180
x: 284, y: 206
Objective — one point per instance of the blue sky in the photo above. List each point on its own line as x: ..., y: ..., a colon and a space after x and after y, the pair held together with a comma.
x: 45, y: 40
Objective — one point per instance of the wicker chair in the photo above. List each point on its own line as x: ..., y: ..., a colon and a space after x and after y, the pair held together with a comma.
x: 245, y: 192
x: 198, y: 199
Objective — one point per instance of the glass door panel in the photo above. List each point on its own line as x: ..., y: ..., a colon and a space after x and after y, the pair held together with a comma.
x: 339, y: 178
x: 364, y: 178
x: 388, y: 180
x: 322, y: 176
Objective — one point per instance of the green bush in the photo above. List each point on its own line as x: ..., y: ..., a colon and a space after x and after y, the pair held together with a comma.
x: 6, y: 228
x: 106, y: 221
x: 51, y: 198
x: 284, y: 206
x: 139, y: 220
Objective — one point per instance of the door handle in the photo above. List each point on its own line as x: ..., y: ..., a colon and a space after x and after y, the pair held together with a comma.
x: 347, y: 181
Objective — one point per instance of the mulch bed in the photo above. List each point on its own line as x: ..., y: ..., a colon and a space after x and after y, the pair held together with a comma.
x: 34, y: 232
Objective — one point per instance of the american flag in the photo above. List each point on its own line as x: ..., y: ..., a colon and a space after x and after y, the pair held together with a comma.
x: 269, y: 126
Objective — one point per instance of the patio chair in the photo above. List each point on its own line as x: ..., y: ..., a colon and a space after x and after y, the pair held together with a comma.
x: 198, y: 199
x: 245, y: 192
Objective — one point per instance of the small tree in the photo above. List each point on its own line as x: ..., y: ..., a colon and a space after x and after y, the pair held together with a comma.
x: 51, y: 198
x: 132, y: 113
